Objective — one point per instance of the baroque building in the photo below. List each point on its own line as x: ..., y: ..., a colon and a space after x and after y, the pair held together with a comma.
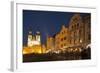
x: 87, y: 24
x: 80, y: 31
x: 76, y: 30
x: 74, y: 37
x: 62, y: 38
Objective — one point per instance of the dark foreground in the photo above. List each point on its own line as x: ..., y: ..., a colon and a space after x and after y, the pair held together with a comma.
x: 85, y: 54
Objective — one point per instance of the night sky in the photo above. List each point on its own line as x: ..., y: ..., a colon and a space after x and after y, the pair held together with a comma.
x: 46, y: 22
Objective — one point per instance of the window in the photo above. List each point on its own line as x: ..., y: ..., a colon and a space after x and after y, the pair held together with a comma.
x: 61, y: 39
x: 64, y: 38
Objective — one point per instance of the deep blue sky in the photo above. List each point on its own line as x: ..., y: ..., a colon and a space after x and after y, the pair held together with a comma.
x: 47, y: 22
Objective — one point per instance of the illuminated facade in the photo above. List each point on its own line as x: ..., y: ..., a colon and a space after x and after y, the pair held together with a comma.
x: 33, y: 40
x: 27, y: 50
x: 62, y: 38
x: 30, y: 39
x: 80, y: 31
x: 76, y: 29
x: 87, y: 24
x: 50, y: 44
x: 74, y: 37
x: 38, y: 38
x: 33, y: 44
x: 43, y: 48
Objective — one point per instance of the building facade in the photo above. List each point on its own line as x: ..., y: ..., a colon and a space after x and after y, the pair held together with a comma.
x: 74, y: 37
x: 62, y: 38
x: 76, y: 30
x: 33, y: 44
x: 30, y: 40
x: 50, y: 44
x: 33, y: 40
x: 87, y: 24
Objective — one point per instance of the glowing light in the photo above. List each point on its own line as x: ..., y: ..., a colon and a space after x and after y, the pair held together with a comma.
x: 80, y: 41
